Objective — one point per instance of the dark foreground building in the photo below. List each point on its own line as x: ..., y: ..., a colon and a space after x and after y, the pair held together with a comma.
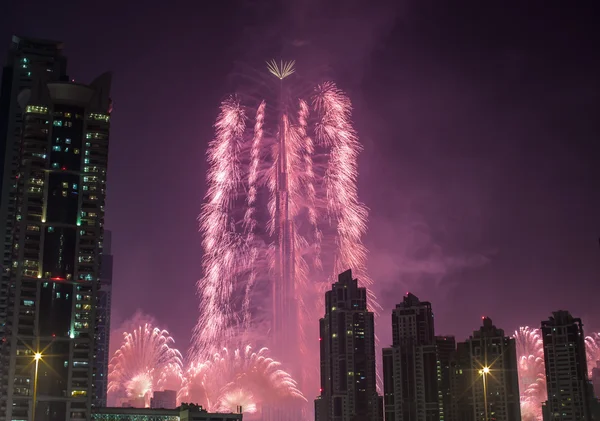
x: 56, y: 242
x: 410, y: 373
x: 570, y: 394
x: 183, y: 413
x: 488, y: 373
x: 347, y: 339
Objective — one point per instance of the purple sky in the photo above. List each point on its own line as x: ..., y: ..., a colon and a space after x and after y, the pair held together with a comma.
x: 480, y: 127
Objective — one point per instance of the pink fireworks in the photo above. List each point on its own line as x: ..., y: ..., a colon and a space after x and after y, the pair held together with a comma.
x: 242, y: 378
x: 145, y: 362
x: 281, y: 218
x: 532, y: 374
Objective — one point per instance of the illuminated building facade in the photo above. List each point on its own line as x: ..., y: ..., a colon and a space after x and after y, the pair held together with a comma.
x: 410, y: 369
x: 569, y: 390
x: 446, y: 354
x: 57, y: 242
x: 24, y: 54
x: 491, y: 375
x: 347, y: 339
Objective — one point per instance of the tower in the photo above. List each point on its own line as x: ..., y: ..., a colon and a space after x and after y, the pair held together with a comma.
x: 56, y: 250
x: 24, y: 54
x: 569, y: 390
x: 446, y: 356
x: 492, y: 378
x: 410, y: 365
x: 347, y: 339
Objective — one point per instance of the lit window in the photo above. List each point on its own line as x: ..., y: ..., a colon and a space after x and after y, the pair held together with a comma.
x: 33, y: 228
x: 28, y: 303
x: 68, y: 115
x: 86, y: 161
x: 88, y: 144
x: 74, y: 186
x: 65, y: 185
x: 58, y: 123
x: 68, y: 141
x: 56, y: 148
x: 87, y: 152
x: 85, y: 187
x: 36, y: 109
x: 50, y: 229
x: 64, y: 193
x: 55, y: 165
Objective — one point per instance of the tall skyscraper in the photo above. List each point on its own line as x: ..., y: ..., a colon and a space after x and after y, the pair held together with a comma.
x: 569, y: 389
x: 492, y: 377
x: 56, y: 250
x: 446, y: 355
x: 103, y: 322
x: 23, y: 56
x: 410, y: 365
x: 347, y: 339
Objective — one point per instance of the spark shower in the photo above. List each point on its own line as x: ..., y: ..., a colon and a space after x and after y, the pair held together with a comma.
x: 281, y: 218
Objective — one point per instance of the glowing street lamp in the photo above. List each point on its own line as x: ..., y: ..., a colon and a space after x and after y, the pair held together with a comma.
x: 484, y: 372
x: 36, y: 357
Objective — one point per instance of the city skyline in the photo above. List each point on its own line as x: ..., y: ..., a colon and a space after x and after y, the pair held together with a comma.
x: 479, y: 163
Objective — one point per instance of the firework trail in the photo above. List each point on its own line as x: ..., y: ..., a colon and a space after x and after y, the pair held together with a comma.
x: 281, y: 217
x: 145, y: 362
x: 240, y: 378
x: 532, y: 372
x: 592, y: 345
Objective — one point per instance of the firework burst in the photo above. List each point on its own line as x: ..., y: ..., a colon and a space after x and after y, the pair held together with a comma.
x: 145, y: 362
x: 242, y: 378
x: 592, y: 345
x: 281, y: 217
x: 532, y: 372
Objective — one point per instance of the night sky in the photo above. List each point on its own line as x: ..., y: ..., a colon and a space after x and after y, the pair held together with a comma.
x: 480, y: 123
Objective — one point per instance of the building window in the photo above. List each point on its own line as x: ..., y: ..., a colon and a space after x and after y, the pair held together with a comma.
x: 56, y: 148
x: 68, y: 141
x: 58, y: 123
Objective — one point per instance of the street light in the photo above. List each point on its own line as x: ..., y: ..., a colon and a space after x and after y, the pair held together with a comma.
x: 484, y: 372
x: 36, y: 357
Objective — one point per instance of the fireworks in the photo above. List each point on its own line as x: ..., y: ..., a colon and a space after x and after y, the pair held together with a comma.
x: 532, y: 371
x: 242, y: 378
x: 145, y: 362
x: 532, y: 374
x: 592, y: 346
x: 281, y: 217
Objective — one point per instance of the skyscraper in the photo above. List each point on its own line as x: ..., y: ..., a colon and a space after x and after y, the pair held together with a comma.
x: 347, y: 339
x: 103, y: 322
x: 569, y: 389
x: 24, y: 54
x: 446, y: 355
x: 492, y: 377
x: 57, y: 242
x: 410, y: 365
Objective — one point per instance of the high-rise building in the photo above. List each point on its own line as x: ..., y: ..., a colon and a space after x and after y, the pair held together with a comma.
x: 492, y: 378
x: 461, y: 383
x: 103, y: 299
x: 57, y: 241
x: 347, y: 339
x: 24, y: 54
x: 410, y: 366
x: 569, y: 390
x: 446, y: 355
x: 166, y: 399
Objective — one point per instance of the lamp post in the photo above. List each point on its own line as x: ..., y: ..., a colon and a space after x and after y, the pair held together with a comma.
x: 484, y: 372
x: 37, y: 357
